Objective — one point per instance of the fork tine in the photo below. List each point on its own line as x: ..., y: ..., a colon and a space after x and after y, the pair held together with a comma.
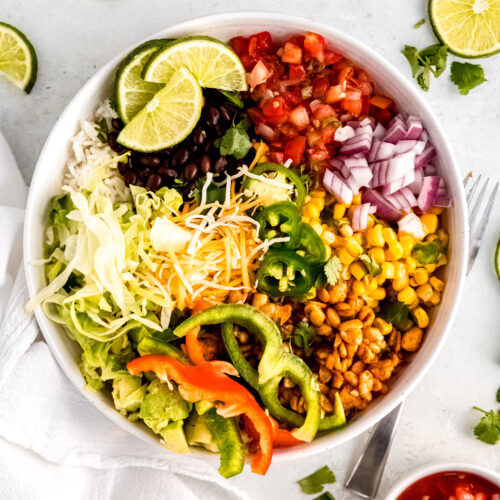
x: 476, y: 239
x: 475, y: 209
x: 472, y: 190
x: 466, y: 180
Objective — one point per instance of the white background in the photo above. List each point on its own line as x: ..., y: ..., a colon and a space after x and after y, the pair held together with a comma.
x: 75, y: 37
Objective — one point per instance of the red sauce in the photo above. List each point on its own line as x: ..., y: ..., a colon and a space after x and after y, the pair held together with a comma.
x: 451, y: 485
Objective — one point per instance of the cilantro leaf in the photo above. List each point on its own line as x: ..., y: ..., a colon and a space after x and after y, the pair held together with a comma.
x: 417, y: 25
x: 498, y: 395
x: 333, y: 268
x: 234, y: 97
x: 488, y: 428
x: 466, y: 76
x: 411, y: 53
x: 432, y: 59
x: 325, y: 496
x: 396, y: 313
x: 373, y: 267
x: 314, y: 482
x: 101, y: 128
x: 303, y: 336
x: 427, y: 252
x: 235, y: 141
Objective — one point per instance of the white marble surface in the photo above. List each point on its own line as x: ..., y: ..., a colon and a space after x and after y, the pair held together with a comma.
x: 73, y: 38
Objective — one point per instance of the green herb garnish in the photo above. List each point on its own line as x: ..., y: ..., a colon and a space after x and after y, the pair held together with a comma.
x: 428, y: 252
x: 234, y: 97
x: 432, y: 59
x: 396, y: 313
x: 373, y: 267
x: 101, y: 127
x: 314, y: 483
x: 325, y: 496
x: 488, y: 428
x: 235, y: 141
x: 417, y: 25
x: 332, y: 269
x: 466, y: 76
x: 303, y: 336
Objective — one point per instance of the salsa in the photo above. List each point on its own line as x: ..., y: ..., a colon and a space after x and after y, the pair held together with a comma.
x: 451, y: 485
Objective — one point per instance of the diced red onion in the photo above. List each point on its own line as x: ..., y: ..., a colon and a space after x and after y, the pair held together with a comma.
x: 403, y: 199
x: 315, y: 105
x: 399, y: 118
x: 416, y: 185
x: 372, y: 155
x: 397, y: 184
x: 346, y: 117
x: 385, y: 209
x: 336, y: 163
x: 353, y: 184
x: 258, y: 75
x: 442, y: 201
x: 335, y: 185
x: 406, y: 146
x: 430, y: 170
x: 385, y: 151
x: 368, y: 122
x: 424, y: 136
x: 428, y: 193
x: 344, y: 169
x: 414, y: 128
x: 427, y: 155
x: 412, y: 224
x: 365, y: 130
x: 344, y: 133
x: 354, y: 124
x: 360, y: 217
x: 266, y: 132
x: 356, y: 162
x: 396, y: 131
x: 363, y: 175
x: 362, y: 145
x: 379, y: 131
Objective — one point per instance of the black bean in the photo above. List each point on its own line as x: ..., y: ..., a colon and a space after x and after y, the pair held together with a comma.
x: 154, y: 182
x: 169, y: 173
x: 220, y: 130
x: 199, y: 136
x: 122, y: 167
x: 112, y: 136
x: 117, y: 123
x: 139, y: 182
x: 205, y: 164
x: 130, y: 177
x: 213, y: 116
x: 226, y: 115
x: 190, y: 171
x: 208, y: 145
x: 220, y: 165
x: 180, y: 157
x: 150, y: 160
x: 144, y: 173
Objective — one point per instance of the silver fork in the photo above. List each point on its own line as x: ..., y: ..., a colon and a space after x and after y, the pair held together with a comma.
x: 367, y: 473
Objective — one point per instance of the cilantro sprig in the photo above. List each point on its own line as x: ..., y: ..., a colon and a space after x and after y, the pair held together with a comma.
x: 466, y: 76
x: 235, y: 141
x: 488, y: 428
x: 314, y: 483
x: 428, y: 252
x: 423, y: 63
x: 332, y: 270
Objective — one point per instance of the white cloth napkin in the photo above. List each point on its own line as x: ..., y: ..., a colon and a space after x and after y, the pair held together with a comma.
x: 42, y: 411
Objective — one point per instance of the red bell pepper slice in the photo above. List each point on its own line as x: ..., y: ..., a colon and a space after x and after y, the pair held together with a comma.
x: 207, y: 381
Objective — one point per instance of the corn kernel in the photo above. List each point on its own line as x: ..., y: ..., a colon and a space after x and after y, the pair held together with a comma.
x: 432, y: 237
x: 411, y: 263
x: 380, y: 279
x: 436, y: 298
x: 421, y: 317
x: 345, y: 257
x: 338, y: 241
x: 389, y: 235
x: 346, y: 230
x: 424, y: 292
x: 346, y: 273
x: 318, y: 193
x: 375, y: 237
x: 378, y: 254
x: 328, y: 237
x: 358, y: 270
x: 339, y: 210
x: 312, y: 211
x: 318, y: 202
x: 388, y: 270
x: 430, y: 268
x: 421, y: 276
x: 356, y: 199
x: 379, y: 293
x: 311, y: 294
x: 371, y: 222
x: 414, y: 304
x: 328, y: 252
x: 395, y: 251
x: 436, y: 210
x: 353, y: 247
x: 400, y: 280
x: 413, y: 283
x: 436, y: 283
x: 443, y: 236
x: 407, y: 296
x: 407, y: 242
x: 318, y: 228
x: 442, y: 261
x: 371, y: 283
x: 371, y: 302
x: 430, y: 222
x: 358, y: 237
x: 358, y: 287
x: 383, y: 326
x: 306, y: 219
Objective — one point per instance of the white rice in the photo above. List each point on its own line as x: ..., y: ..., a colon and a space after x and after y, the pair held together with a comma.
x: 88, y: 152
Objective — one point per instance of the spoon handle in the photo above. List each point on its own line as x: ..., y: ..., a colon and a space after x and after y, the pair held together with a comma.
x: 367, y: 473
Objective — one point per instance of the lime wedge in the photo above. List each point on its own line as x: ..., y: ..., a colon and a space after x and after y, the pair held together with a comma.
x: 18, y: 62
x: 470, y: 28
x: 168, y: 117
x: 132, y: 93
x: 212, y: 62
x: 497, y: 260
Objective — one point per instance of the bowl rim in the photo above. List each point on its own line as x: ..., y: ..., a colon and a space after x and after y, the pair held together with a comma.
x: 436, y: 467
x: 393, y: 398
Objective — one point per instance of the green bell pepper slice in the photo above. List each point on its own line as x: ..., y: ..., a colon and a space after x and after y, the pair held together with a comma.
x: 281, y: 219
x: 284, y: 273
x: 269, y: 168
x: 227, y: 435
x: 310, y: 245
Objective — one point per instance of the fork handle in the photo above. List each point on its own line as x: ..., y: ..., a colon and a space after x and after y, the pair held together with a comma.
x: 367, y: 473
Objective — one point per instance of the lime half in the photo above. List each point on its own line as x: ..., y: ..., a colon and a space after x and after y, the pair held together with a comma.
x: 497, y: 260
x: 470, y: 28
x: 132, y: 93
x: 18, y: 62
x: 168, y: 117
x: 212, y: 62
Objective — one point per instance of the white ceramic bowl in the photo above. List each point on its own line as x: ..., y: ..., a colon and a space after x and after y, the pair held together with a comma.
x: 434, y: 468
x: 50, y: 167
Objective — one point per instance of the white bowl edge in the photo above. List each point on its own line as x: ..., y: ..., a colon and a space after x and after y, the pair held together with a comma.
x: 225, y: 26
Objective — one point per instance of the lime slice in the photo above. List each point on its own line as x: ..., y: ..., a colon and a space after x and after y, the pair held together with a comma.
x: 497, y: 260
x: 132, y: 93
x: 168, y: 117
x: 212, y: 62
x: 18, y: 62
x: 470, y: 28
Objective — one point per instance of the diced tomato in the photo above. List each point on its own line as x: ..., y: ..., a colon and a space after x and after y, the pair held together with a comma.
x: 328, y: 134
x: 264, y: 42
x: 252, y: 46
x: 481, y: 496
x: 352, y: 95
x: 366, y: 88
x: 320, y: 86
x: 248, y: 61
x: 292, y: 97
x: 276, y: 156
x: 296, y: 72
x: 353, y: 107
x: 294, y: 149
x: 381, y: 102
x: 292, y: 53
x: 239, y: 44
x: 463, y: 493
x: 385, y: 116
x: 299, y: 117
x: 259, y: 74
x: 297, y: 40
x: 345, y: 73
x: 323, y: 111
x: 335, y: 94
x: 314, y: 46
x: 365, y: 108
x: 318, y: 154
x: 315, y: 138
x: 287, y: 130
x: 331, y: 57
x: 275, y: 108
x: 256, y: 115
